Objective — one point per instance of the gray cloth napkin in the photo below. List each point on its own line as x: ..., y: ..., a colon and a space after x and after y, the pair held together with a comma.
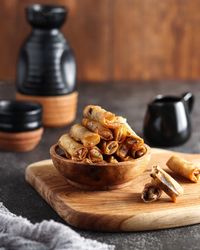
x: 17, y: 232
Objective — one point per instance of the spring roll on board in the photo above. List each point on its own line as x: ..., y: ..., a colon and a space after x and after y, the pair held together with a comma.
x: 80, y: 133
x: 96, y: 127
x: 151, y: 192
x: 184, y: 168
x: 95, y: 155
x: 99, y: 114
x: 76, y: 150
x: 164, y: 181
x: 109, y: 147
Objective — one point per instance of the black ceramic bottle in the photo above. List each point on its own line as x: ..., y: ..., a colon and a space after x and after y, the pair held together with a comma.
x: 46, y: 65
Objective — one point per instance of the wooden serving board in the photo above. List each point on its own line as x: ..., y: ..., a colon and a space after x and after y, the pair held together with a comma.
x: 117, y: 210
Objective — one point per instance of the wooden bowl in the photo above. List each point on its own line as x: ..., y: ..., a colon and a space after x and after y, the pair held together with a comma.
x: 106, y: 176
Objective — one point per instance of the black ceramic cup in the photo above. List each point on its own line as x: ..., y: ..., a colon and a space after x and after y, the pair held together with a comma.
x: 20, y: 116
x: 167, y: 121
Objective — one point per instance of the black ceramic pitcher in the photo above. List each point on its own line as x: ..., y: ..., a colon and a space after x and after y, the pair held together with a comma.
x: 167, y: 121
x: 46, y: 70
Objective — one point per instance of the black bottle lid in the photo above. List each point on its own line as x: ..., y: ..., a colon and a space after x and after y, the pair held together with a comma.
x: 46, y: 16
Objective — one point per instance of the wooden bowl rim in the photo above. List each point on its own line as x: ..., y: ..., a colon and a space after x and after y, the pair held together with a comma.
x: 55, y: 155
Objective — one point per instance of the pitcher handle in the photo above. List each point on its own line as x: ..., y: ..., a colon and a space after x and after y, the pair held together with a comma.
x: 188, y: 97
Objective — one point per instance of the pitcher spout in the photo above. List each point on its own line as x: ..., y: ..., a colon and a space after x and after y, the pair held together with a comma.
x: 188, y: 97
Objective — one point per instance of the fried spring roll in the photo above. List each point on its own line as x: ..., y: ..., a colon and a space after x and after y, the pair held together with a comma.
x: 122, y: 152
x: 96, y: 127
x: 164, y: 181
x: 139, y: 152
x: 99, y: 114
x: 130, y: 131
x: 76, y: 150
x: 134, y: 143
x: 63, y: 153
x: 67, y: 155
x: 117, y: 122
x: 184, y: 168
x: 132, y: 137
x: 111, y: 159
x: 120, y: 134
x: 109, y: 147
x: 95, y: 155
x: 131, y: 142
x: 80, y: 133
x: 151, y: 192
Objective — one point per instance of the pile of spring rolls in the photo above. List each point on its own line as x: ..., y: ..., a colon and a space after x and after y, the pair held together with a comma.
x: 102, y: 137
x: 161, y: 181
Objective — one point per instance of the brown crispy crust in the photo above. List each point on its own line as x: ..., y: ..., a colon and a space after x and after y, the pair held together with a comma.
x: 184, y: 168
x: 151, y: 192
x: 170, y: 186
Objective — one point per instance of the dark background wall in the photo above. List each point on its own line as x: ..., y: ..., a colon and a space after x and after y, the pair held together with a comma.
x: 116, y: 39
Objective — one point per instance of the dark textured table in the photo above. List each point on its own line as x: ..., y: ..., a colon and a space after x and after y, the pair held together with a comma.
x: 129, y: 100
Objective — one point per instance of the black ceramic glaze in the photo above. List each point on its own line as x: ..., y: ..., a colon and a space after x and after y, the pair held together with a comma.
x: 20, y: 116
x: 46, y: 65
x: 167, y: 120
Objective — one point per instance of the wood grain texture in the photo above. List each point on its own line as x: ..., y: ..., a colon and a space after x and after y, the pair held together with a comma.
x: 20, y: 141
x: 58, y: 111
x: 117, y: 210
x: 146, y: 33
x: 89, y: 32
x: 8, y: 48
x: 116, y: 39
x: 158, y: 41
